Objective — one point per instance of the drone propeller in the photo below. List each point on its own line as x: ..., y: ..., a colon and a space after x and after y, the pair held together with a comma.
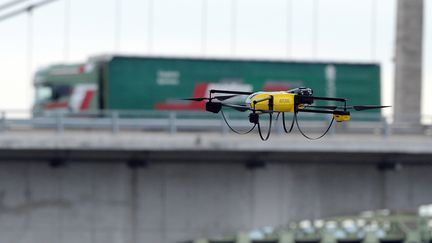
x: 220, y: 98
x: 355, y: 107
x: 368, y: 107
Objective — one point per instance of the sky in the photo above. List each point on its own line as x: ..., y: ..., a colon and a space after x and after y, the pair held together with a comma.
x: 70, y: 31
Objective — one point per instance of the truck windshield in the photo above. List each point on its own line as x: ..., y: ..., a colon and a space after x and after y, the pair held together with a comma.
x: 43, y: 93
x: 48, y: 93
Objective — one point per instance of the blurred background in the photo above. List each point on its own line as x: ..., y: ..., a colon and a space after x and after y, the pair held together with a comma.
x: 96, y: 144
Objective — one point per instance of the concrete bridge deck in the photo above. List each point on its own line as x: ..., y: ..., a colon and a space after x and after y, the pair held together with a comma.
x: 214, y: 146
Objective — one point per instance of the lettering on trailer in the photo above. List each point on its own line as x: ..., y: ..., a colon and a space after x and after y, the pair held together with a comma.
x: 168, y: 77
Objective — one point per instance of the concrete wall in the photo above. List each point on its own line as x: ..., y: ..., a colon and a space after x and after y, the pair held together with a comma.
x: 168, y: 202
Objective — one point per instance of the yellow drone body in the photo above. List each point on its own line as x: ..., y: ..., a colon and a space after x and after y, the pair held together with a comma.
x: 282, y: 101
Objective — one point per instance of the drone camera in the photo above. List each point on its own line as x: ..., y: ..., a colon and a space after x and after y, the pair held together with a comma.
x: 253, y: 118
x: 213, y: 107
x: 304, y: 95
x: 305, y: 91
x: 301, y: 91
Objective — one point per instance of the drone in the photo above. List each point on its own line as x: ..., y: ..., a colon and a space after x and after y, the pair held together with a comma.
x: 280, y: 102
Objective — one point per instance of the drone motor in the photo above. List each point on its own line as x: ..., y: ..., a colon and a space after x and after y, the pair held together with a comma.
x: 213, y: 107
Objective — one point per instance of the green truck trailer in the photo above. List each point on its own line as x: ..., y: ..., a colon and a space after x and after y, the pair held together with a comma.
x: 158, y: 83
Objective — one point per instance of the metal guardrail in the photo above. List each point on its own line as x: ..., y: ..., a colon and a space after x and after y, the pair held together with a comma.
x: 173, y: 122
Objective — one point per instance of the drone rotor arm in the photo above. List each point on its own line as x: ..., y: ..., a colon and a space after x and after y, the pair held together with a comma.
x: 238, y: 107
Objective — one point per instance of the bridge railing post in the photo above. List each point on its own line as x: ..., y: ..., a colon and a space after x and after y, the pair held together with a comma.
x: 60, y: 123
x: 114, y: 122
x: 386, y: 127
x: 224, y: 127
x: 3, y: 121
x: 172, y: 122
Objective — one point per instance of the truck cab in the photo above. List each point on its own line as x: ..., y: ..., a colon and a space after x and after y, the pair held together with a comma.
x: 69, y: 88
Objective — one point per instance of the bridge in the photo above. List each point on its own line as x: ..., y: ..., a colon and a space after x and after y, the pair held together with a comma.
x: 107, y: 179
